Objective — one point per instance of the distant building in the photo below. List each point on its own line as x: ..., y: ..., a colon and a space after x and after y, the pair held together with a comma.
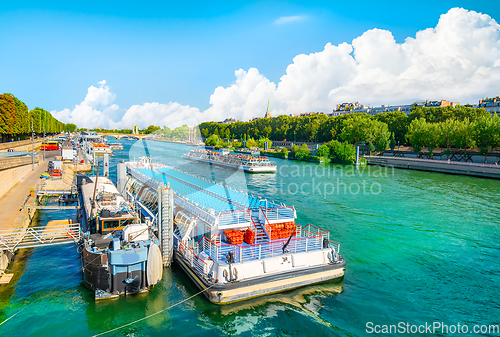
x: 436, y: 104
x: 228, y: 121
x: 254, y: 119
x: 490, y: 104
x: 350, y: 106
x: 268, y: 112
x: 306, y: 114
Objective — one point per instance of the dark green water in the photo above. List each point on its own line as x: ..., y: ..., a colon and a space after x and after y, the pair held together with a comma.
x: 421, y: 247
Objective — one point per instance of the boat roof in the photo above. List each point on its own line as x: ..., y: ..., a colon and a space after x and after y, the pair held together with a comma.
x: 104, y: 187
x: 207, y: 194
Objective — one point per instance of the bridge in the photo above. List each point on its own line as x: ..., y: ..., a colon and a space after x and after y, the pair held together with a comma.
x: 125, y: 136
x: 52, y: 234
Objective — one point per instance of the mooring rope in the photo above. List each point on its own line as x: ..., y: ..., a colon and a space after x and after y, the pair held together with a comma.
x: 154, y: 314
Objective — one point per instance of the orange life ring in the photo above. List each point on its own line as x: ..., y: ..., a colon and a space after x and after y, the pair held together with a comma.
x: 70, y: 234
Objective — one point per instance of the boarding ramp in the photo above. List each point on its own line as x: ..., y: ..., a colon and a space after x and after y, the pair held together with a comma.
x: 54, y: 233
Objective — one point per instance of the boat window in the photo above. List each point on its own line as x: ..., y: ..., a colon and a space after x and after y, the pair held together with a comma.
x: 125, y: 222
x: 109, y: 224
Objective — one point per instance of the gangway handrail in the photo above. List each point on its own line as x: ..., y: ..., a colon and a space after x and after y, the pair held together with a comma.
x: 42, y: 235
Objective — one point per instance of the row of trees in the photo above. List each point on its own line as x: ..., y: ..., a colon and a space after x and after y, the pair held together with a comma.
x: 16, y: 121
x: 377, y: 131
x: 482, y: 132
x: 323, y: 128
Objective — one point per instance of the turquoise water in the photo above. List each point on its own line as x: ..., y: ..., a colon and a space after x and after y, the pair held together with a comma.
x: 420, y: 247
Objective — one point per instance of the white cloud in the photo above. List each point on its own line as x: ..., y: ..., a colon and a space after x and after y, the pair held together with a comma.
x: 289, y: 19
x: 87, y: 113
x: 171, y: 114
x: 458, y: 60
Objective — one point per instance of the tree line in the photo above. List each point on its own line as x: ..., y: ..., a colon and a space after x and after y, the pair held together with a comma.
x: 16, y: 121
x: 378, y: 131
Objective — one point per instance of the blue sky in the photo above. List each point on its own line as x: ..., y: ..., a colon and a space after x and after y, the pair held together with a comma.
x: 52, y: 52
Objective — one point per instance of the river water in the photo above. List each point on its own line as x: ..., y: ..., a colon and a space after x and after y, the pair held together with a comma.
x: 420, y: 248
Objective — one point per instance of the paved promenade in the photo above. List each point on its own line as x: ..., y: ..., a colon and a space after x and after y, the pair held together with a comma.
x: 441, y: 166
x: 12, y: 201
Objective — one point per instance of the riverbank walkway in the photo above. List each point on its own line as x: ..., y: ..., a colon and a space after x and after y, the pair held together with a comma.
x: 12, y: 202
x: 441, y: 166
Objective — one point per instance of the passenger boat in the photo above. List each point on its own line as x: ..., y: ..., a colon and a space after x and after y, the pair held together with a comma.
x: 233, y: 244
x: 120, y: 255
x: 50, y: 145
x: 245, y: 162
x: 114, y: 145
x: 100, y: 148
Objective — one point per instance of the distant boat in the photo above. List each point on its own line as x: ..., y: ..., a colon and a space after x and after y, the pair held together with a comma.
x: 245, y: 162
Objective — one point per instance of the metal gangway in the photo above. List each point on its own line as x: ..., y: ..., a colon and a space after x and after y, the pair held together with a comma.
x: 12, y: 239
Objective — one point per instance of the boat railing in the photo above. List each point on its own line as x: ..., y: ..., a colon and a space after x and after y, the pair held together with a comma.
x: 241, y: 217
x: 253, y: 222
x: 309, y: 230
x: 245, y: 253
x: 334, y: 245
x: 189, y: 255
x: 265, y: 221
x: 279, y: 214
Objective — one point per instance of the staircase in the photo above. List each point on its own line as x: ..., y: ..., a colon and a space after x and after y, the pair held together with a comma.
x: 261, y: 235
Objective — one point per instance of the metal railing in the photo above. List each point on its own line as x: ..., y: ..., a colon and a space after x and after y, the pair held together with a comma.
x: 189, y: 255
x: 12, y: 239
x: 437, y: 161
x: 241, y: 217
x: 263, y: 219
x: 311, y: 230
x: 279, y: 214
x: 244, y: 253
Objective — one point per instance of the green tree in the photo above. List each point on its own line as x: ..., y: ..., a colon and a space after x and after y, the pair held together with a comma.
x: 302, y: 153
x: 381, y: 135
x: 343, y: 153
x: 397, y: 123
x: 392, y: 142
x: 265, y: 140
x: 447, y: 131
x: 151, y: 129
x: 464, y: 137
x: 416, y: 134
x: 323, y: 151
x: 213, y: 140
x: 431, y: 137
x: 486, y: 134
x: 69, y: 127
x: 251, y: 143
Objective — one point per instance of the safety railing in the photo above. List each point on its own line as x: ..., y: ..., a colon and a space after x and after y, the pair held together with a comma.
x: 263, y: 220
x: 335, y: 245
x: 189, y: 255
x: 311, y: 230
x: 241, y: 217
x: 244, y: 253
x: 279, y: 214
x: 11, y: 239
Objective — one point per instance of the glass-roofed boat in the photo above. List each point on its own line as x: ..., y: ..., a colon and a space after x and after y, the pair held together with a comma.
x: 234, y: 244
